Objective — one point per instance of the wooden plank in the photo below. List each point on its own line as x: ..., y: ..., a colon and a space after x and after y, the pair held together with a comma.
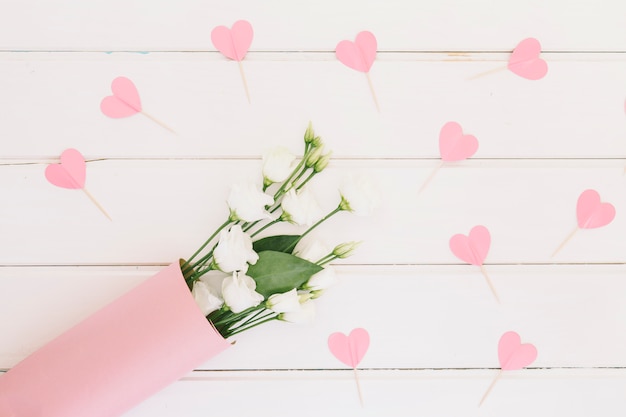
x: 52, y: 102
x: 537, y: 392
x: 164, y: 209
x: 418, y: 317
x: 284, y: 25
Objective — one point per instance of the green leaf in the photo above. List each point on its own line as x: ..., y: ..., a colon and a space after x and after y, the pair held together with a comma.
x: 280, y: 243
x: 278, y: 272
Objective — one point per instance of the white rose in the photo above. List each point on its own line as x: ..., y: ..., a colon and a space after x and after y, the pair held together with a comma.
x: 301, y: 208
x: 206, y: 297
x: 304, y: 315
x: 359, y: 196
x: 278, y: 164
x: 322, y: 280
x: 312, y: 250
x: 234, y: 250
x: 285, y: 302
x: 239, y: 292
x: 247, y: 202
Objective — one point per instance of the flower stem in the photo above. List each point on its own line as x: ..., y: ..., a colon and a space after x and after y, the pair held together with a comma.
x: 322, y: 220
x: 265, y: 227
x: 264, y: 319
x: 311, y: 175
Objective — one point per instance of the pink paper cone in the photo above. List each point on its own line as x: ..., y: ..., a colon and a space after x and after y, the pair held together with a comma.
x: 118, y: 357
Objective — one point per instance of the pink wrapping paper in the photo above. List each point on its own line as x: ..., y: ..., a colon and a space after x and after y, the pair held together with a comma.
x: 113, y: 360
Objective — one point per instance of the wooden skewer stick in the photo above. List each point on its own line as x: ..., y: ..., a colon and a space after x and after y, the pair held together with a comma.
x: 482, y: 74
x: 245, y: 83
x: 358, y: 387
x: 493, y: 289
x: 430, y: 177
x: 493, y: 383
x: 567, y: 239
x: 369, y: 82
x: 91, y: 197
x: 157, y: 121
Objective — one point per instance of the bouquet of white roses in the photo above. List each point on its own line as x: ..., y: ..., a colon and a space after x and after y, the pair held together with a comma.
x: 235, y: 281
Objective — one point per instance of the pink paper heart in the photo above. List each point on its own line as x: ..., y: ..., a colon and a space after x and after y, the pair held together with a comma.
x: 235, y: 42
x: 514, y: 355
x: 70, y: 173
x: 454, y: 145
x: 525, y: 61
x: 349, y: 349
x: 591, y: 212
x: 473, y: 248
x: 125, y: 99
x: 360, y: 54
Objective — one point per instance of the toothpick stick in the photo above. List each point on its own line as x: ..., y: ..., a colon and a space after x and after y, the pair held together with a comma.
x: 157, y: 121
x: 493, y: 289
x: 358, y: 386
x: 369, y: 82
x: 243, y: 78
x: 430, y: 177
x: 88, y: 194
x: 482, y: 74
x: 493, y: 383
x: 567, y: 239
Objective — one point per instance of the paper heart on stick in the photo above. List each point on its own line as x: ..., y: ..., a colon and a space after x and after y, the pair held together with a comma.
x: 360, y: 55
x: 472, y: 248
x: 125, y: 102
x: 349, y: 349
x: 235, y: 42
x: 454, y: 145
x: 513, y: 354
x: 591, y: 212
x: 525, y: 60
x: 71, y: 173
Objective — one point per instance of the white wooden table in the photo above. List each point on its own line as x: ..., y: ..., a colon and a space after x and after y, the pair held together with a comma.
x: 433, y: 322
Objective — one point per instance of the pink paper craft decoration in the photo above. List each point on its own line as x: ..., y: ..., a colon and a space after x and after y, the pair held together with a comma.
x: 234, y: 44
x: 116, y: 358
x: 125, y: 102
x: 512, y: 355
x: 454, y: 145
x: 349, y: 349
x: 591, y: 212
x: 359, y: 55
x: 473, y: 248
x: 71, y: 173
x: 525, y: 60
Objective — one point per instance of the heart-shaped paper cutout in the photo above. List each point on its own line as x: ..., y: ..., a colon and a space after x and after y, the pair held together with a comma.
x: 349, y: 349
x: 514, y: 355
x: 591, y: 212
x: 454, y: 145
x: 473, y: 248
x: 125, y: 99
x: 360, y: 54
x: 525, y: 61
x: 70, y: 173
x: 235, y: 42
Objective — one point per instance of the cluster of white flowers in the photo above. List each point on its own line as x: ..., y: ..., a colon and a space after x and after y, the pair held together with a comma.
x: 222, y: 279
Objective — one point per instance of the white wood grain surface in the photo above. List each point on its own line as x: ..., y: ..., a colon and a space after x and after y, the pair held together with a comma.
x: 433, y: 321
